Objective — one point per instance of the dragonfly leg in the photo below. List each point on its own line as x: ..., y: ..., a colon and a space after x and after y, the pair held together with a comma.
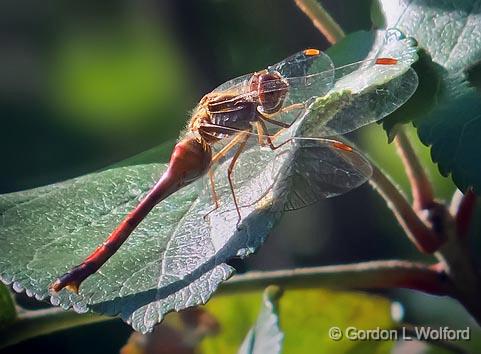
x: 275, y: 122
x: 242, y: 144
x: 293, y: 107
x: 215, y: 198
x: 261, y: 133
x: 268, y: 138
x: 236, y: 140
x: 239, y: 138
x: 268, y: 117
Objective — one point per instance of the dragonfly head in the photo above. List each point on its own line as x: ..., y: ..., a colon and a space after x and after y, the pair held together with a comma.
x: 271, y: 88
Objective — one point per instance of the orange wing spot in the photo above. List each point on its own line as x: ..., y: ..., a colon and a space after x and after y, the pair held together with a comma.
x: 386, y: 61
x: 342, y: 146
x: 312, y: 52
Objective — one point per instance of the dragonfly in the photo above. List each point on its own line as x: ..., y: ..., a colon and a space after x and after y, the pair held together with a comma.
x: 259, y: 109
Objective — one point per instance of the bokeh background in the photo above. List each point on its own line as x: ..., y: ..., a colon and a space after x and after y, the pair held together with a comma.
x: 86, y: 84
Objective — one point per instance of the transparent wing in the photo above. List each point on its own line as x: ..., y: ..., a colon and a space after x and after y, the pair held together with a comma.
x: 238, y: 85
x: 367, y: 92
x: 299, y: 173
x: 360, y: 93
x: 309, y: 73
x: 346, y: 98
x: 303, y: 63
x: 321, y: 169
x: 356, y: 103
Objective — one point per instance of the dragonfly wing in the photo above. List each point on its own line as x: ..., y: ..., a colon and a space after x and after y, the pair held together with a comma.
x: 300, y: 173
x: 354, y: 104
x: 366, y: 91
x: 309, y: 74
x: 304, y: 63
x: 249, y: 176
x: 321, y: 169
x: 238, y: 85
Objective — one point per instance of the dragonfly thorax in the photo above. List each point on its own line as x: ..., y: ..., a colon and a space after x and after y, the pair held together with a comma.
x: 223, y: 110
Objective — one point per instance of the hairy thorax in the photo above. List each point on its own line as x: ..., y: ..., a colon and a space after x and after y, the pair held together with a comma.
x: 223, y: 110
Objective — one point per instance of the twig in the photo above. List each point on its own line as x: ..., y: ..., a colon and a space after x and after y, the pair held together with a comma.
x: 456, y: 260
x: 462, y: 209
x: 32, y: 324
x: 454, y: 257
x: 321, y: 20
x: 443, y: 232
x: 367, y: 275
x: 416, y: 230
x: 421, y: 188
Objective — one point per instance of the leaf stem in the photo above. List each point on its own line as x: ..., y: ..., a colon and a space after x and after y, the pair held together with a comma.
x: 36, y: 323
x: 421, y: 188
x: 367, y: 275
x: 416, y: 230
x: 462, y: 209
x: 456, y: 261
x: 321, y: 20
x: 444, y: 231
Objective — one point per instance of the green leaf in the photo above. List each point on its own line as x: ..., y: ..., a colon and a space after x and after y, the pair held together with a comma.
x: 265, y: 336
x: 176, y: 258
x: 173, y: 260
x: 424, y: 99
x: 352, y: 48
x: 170, y: 262
x: 446, y: 108
x: 306, y: 317
x: 386, y: 156
x: 446, y: 29
x: 8, y: 314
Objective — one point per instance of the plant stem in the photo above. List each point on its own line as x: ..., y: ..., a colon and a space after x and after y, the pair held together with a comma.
x: 444, y: 235
x: 416, y: 230
x: 462, y: 208
x: 32, y: 324
x: 456, y: 261
x: 421, y: 188
x: 367, y: 275
x: 321, y: 20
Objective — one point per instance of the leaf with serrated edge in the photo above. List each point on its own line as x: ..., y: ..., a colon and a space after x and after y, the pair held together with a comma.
x: 449, y: 32
x: 175, y: 259
x: 8, y: 313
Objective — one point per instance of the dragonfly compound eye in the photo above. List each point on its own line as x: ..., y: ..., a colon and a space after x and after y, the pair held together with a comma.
x: 272, y: 90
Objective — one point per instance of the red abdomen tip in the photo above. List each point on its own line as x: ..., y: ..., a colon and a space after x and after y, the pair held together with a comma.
x: 386, y: 61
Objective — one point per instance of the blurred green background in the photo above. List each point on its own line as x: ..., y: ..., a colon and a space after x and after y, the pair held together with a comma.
x: 87, y: 84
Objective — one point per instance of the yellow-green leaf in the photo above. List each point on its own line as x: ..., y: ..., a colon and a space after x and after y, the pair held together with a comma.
x: 7, y: 307
x: 306, y: 317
